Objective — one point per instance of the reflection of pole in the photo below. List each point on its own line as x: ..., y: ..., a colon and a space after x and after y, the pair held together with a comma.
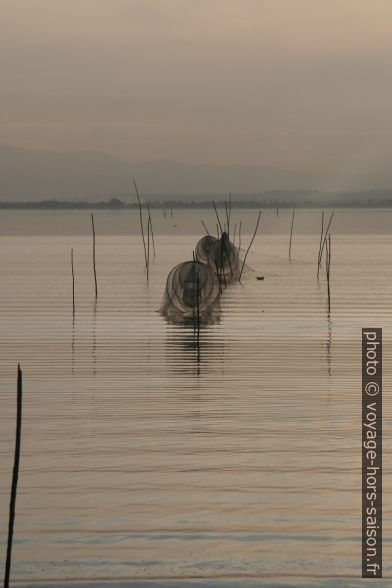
x: 329, y: 344
x: 14, y: 479
x: 198, y: 316
x: 95, y: 340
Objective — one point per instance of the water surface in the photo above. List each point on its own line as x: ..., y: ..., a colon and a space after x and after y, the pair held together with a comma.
x: 149, y: 458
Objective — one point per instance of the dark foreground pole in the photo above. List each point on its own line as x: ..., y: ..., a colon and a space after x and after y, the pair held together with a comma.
x: 14, y: 479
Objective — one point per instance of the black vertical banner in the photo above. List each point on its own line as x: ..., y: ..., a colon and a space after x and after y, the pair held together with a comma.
x: 371, y: 453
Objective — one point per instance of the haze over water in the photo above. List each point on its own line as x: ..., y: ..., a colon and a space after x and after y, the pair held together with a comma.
x: 146, y: 457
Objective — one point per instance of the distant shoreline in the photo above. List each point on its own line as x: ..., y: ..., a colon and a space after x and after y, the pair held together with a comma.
x: 115, y: 204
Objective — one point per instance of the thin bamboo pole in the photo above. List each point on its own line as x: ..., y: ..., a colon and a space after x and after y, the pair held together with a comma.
x: 291, y: 232
x: 205, y: 228
x: 328, y: 270
x: 217, y: 216
x: 152, y: 232
x: 219, y: 276
x: 227, y: 219
x: 73, y: 283
x: 228, y: 255
x: 321, y: 240
x: 141, y: 222
x: 326, y: 235
x: 221, y: 263
x: 148, y: 250
x: 250, y: 245
x: 95, y: 270
x: 198, y: 302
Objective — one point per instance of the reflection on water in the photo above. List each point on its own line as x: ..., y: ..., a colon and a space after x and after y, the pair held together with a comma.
x: 185, y: 343
x: 328, y: 344
x: 95, y: 338
x: 193, y: 351
x: 152, y: 451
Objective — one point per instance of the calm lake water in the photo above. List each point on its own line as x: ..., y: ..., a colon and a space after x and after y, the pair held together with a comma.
x: 150, y: 461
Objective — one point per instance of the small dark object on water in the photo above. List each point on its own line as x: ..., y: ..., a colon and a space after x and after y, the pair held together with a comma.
x: 259, y: 277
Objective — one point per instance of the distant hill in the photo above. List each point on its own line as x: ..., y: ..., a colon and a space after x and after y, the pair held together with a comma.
x: 32, y: 175
x: 37, y: 175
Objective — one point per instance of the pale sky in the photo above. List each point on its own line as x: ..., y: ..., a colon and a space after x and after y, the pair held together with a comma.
x: 299, y: 84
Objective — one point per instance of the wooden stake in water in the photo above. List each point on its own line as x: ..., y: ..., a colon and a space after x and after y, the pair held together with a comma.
x: 152, y: 232
x: 148, y: 249
x: 227, y: 219
x: 205, y: 228
x: 15, y: 475
x: 250, y: 245
x: 141, y: 222
x: 321, y: 241
x: 326, y: 236
x: 73, y: 283
x: 217, y: 216
x: 95, y: 271
x: 291, y: 232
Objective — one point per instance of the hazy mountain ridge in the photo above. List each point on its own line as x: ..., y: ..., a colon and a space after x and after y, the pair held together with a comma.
x: 37, y: 175
x: 33, y: 175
